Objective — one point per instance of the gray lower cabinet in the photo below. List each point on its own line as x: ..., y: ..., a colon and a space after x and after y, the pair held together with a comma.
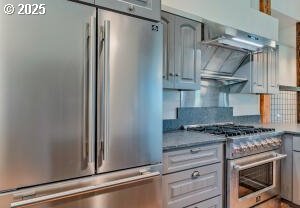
x: 182, y: 54
x: 296, y: 177
x: 191, y: 186
x: 149, y: 9
x: 193, y: 177
x: 211, y: 203
x: 287, y: 168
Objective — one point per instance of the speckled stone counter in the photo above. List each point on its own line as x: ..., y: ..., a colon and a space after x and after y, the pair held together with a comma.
x: 285, y: 128
x: 182, y: 139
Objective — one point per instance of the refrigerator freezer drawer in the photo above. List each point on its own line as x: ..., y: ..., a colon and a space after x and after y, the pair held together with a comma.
x: 132, y: 188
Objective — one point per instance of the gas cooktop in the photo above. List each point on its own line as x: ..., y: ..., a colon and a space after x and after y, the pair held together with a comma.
x: 228, y: 130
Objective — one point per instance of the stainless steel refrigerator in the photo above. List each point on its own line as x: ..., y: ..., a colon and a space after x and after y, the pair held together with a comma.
x: 80, y: 108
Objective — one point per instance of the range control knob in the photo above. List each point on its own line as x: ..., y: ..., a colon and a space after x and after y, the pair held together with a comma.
x: 250, y: 146
x: 236, y: 149
x: 270, y: 142
x: 244, y: 147
x: 264, y: 143
x: 257, y: 144
x: 277, y: 141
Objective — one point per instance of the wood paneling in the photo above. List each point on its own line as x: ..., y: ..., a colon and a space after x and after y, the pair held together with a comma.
x: 265, y: 100
x: 265, y: 108
x: 265, y: 6
x: 298, y: 68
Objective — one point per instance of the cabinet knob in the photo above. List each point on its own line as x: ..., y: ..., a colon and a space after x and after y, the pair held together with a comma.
x: 171, y: 74
x: 195, y: 174
x: 177, y: 75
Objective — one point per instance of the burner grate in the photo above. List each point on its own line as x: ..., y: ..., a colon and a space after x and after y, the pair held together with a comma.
x: 230, y: 130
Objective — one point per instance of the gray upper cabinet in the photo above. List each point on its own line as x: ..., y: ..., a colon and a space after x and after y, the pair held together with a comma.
x: 260, y: 72
x: 149, y: 9
x: 187, y: 54
x: 182, y: 55
x: 168, y: 22
x: 273, y: 86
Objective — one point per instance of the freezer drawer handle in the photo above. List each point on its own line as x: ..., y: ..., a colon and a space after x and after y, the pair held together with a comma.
x: 243, y: 167
x: 80, y: 191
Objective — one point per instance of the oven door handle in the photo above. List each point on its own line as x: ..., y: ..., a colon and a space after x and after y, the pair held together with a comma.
x: 243, y: 167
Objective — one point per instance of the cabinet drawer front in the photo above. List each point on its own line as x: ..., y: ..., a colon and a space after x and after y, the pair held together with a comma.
x: 211, y: 203
x: 189, y: 187
x: 192, y: 157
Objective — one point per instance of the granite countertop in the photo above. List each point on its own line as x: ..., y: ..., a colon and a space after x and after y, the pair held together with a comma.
x: 182, y: 139
x: 285, y: 128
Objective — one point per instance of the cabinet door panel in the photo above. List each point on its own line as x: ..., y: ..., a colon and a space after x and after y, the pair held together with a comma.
x: 187, y: 54
x: 183, y: 188
x: 259, y: 72
x: 168, y: 49
x: 273, y: 71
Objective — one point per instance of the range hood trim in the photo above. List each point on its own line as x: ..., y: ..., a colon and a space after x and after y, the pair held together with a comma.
x: 225, y: 80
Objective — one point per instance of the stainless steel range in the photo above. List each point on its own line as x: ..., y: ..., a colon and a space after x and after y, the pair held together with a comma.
x: 253, y: 163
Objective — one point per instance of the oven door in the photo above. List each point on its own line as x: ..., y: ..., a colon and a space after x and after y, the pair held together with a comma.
x: 253, y: 179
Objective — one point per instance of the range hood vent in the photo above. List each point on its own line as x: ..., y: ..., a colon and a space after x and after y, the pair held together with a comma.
x: 225, y: 49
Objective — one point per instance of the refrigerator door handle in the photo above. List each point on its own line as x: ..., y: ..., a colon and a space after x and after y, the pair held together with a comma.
x: 84, y: 190
x: 105, y: 89
x: 89, y: 95
x: 107, y: 85
x: 92, y: 92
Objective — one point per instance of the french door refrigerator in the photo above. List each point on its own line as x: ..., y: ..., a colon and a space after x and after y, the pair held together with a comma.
x: 80, y: 108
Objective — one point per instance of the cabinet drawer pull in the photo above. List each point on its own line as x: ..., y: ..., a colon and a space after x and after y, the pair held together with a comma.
x: 195, y: 174
x: 193, y: 151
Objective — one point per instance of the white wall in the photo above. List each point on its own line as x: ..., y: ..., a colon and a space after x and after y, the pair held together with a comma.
x: 290, y: 8
x: 287, y: 66
x: 234, y: 13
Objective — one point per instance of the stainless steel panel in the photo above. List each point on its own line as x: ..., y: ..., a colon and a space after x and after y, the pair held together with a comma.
x: 130, y: 92
x: 218, y: 59
x: 106, y: 191
x: 149, y: 9
x: 45, y: 72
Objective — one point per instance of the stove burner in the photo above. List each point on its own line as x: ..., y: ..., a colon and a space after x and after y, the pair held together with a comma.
x: 230, y: 130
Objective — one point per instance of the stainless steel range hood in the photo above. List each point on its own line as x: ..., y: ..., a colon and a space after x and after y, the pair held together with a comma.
x: 225, y: 49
